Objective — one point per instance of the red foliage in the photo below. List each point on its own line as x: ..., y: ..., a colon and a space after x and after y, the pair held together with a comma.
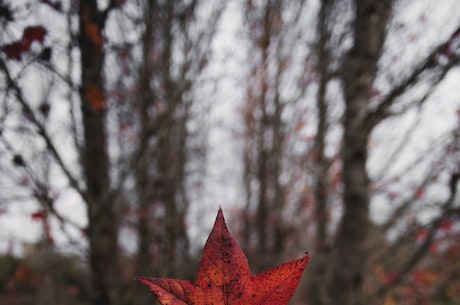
x: 31, y: 34
x: 42, y: 215
x: 422, y: 234
x: 93, y: 32
x: 95, y: 97
x: 14, y: 50
x: 224, y: 277
x: 446, y: 225
x: 34, y: 33
x: 419, y: 193
x: 452, y: 251
x: 22, y: 273
x: 389, y: 277
x: 38, y: 215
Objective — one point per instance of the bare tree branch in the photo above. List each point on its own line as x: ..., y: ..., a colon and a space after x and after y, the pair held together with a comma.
x: 420, y: 252
x: 41, y: 130
x: 430, y: 62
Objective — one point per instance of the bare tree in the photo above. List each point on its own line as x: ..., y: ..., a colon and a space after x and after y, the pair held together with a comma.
x: 166, y: 150
x: 359, y: 69
x: 272, y: 42
x: 175, y: 46
x: 102, y: 216
x: 349, y: 49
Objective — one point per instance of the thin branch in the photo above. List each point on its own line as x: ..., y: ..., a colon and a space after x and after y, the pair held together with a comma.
x: 390, y: 161
x: 40, y: 192
x: 406, y: 204
x: 382, y: 110
x: 113, y: 4
x: 204, y: 44
x: 425, y: 246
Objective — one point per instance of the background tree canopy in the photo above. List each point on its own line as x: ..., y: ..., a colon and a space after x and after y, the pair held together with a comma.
x: 324, y: 126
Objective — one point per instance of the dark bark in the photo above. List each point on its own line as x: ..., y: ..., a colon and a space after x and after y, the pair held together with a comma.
x: 265, y: 135
x: 145, y: 189
x: 318, y: 265
x: 358, y: 74
x: 164, y: 151
x: 102, y: 226
x: 171, y: 154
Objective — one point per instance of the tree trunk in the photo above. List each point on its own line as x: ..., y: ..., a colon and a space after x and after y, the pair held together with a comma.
x: 144, y: 187
x: 265, y: 140
x: 318, y: 265
x: 358, y: 74
x: 102, y: 226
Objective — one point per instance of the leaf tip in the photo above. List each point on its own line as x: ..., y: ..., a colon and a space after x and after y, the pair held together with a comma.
x: 220, y: 219
x: 305, y: 259
x: 144, y: 280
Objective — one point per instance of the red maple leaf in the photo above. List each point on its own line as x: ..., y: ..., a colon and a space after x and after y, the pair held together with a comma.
x: 224, y: 277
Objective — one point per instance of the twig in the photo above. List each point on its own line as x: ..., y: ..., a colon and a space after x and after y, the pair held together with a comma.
x: 421, y: 251
x: 381, y: 112
x: 41, y: 130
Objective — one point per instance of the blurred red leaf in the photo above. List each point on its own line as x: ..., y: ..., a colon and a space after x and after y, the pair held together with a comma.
x: 34, y: 33
x: 93, y: 32
x: 22, y: 273
x: 389, y: 277
x: 422, y: 234
x: 38, y: 215
x: 299, y: 125
x: 95, y: 96
x: 336, y: 175
x: 123, y: 55
x: 47, y: 231
x: 446, y: 225
x: 452, y: 252
x: 376, y: 93
x: 30, y: 34
x: 417, y: 275
x: 14, y: 50
x: 422, y: 18
x: 139, y: 213
x: 434, y: 247
x: 224, y: 277
x: 419, y: 193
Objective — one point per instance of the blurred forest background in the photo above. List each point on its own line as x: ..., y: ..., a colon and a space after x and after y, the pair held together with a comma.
x: 319, y: 125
